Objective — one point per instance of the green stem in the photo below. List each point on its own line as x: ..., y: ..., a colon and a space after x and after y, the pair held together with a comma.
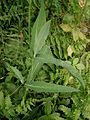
x: 15, y: 90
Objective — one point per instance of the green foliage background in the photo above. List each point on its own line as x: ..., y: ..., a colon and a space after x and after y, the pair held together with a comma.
x: 17, y: 102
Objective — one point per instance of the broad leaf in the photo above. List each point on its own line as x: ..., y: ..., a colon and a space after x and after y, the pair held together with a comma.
x: 41, y: 37
x: 65, y: 64
x: 40, y: 21
x: 41, y: 86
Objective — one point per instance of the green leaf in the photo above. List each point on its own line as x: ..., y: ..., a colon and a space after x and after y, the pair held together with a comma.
x: 17, y: 73
x: 54, y: 116
x: 44, y: 117
x: 40, y: 21
x: 75, y: 34
x: 36, y: 66
x: 65, y: 64
x: 80, y: 66
x: 8, y: 102
x: 41, y: 37
x: 87, y: 110
x: 45, y: 50
x: 76, y: 114
x: 9, y: 106
x: 1, y: 99
x: 47, y: 107
x: 65, y: 109
x: 75, y: 61
x: 41, y: 86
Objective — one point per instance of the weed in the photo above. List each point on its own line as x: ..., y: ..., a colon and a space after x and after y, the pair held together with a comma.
x: 44, y: 62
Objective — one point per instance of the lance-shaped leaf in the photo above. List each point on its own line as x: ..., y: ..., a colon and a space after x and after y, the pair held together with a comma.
x: 40, y: 21
x: 41, y: 37
x: 65, y: 64
x: 41, y: 86
x: 36, y: 66
x: 16, y: 72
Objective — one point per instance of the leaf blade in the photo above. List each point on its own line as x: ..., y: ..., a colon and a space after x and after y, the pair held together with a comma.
x: 36, y: 66
x: 65, y: 64
x: 40, y: 21
x: 1, y: 99
x: 16, y: 72
x: 41, y: 86
x: 41, y: 37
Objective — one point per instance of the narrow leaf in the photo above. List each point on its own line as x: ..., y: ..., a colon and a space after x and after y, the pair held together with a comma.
x: 1, y: 99
x: 17, y: 73
x: 41, y: 86
x: 40, y: 21
x: 65, y: 64
x: 36, y: 66
x: 41, y: 37
x: 8, y: 102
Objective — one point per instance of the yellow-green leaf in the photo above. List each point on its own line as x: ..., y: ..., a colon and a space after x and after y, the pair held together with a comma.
x: 65, y: 27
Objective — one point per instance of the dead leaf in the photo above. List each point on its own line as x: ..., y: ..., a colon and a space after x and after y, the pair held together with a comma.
x: 70, y: 51
x: 75, y: 34
x: 81, y: 36
x: 65, y: 27
x: 21, y: 35
x: 82, y: 3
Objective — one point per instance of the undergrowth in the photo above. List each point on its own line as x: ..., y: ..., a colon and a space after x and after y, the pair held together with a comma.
x: 44, y: 60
